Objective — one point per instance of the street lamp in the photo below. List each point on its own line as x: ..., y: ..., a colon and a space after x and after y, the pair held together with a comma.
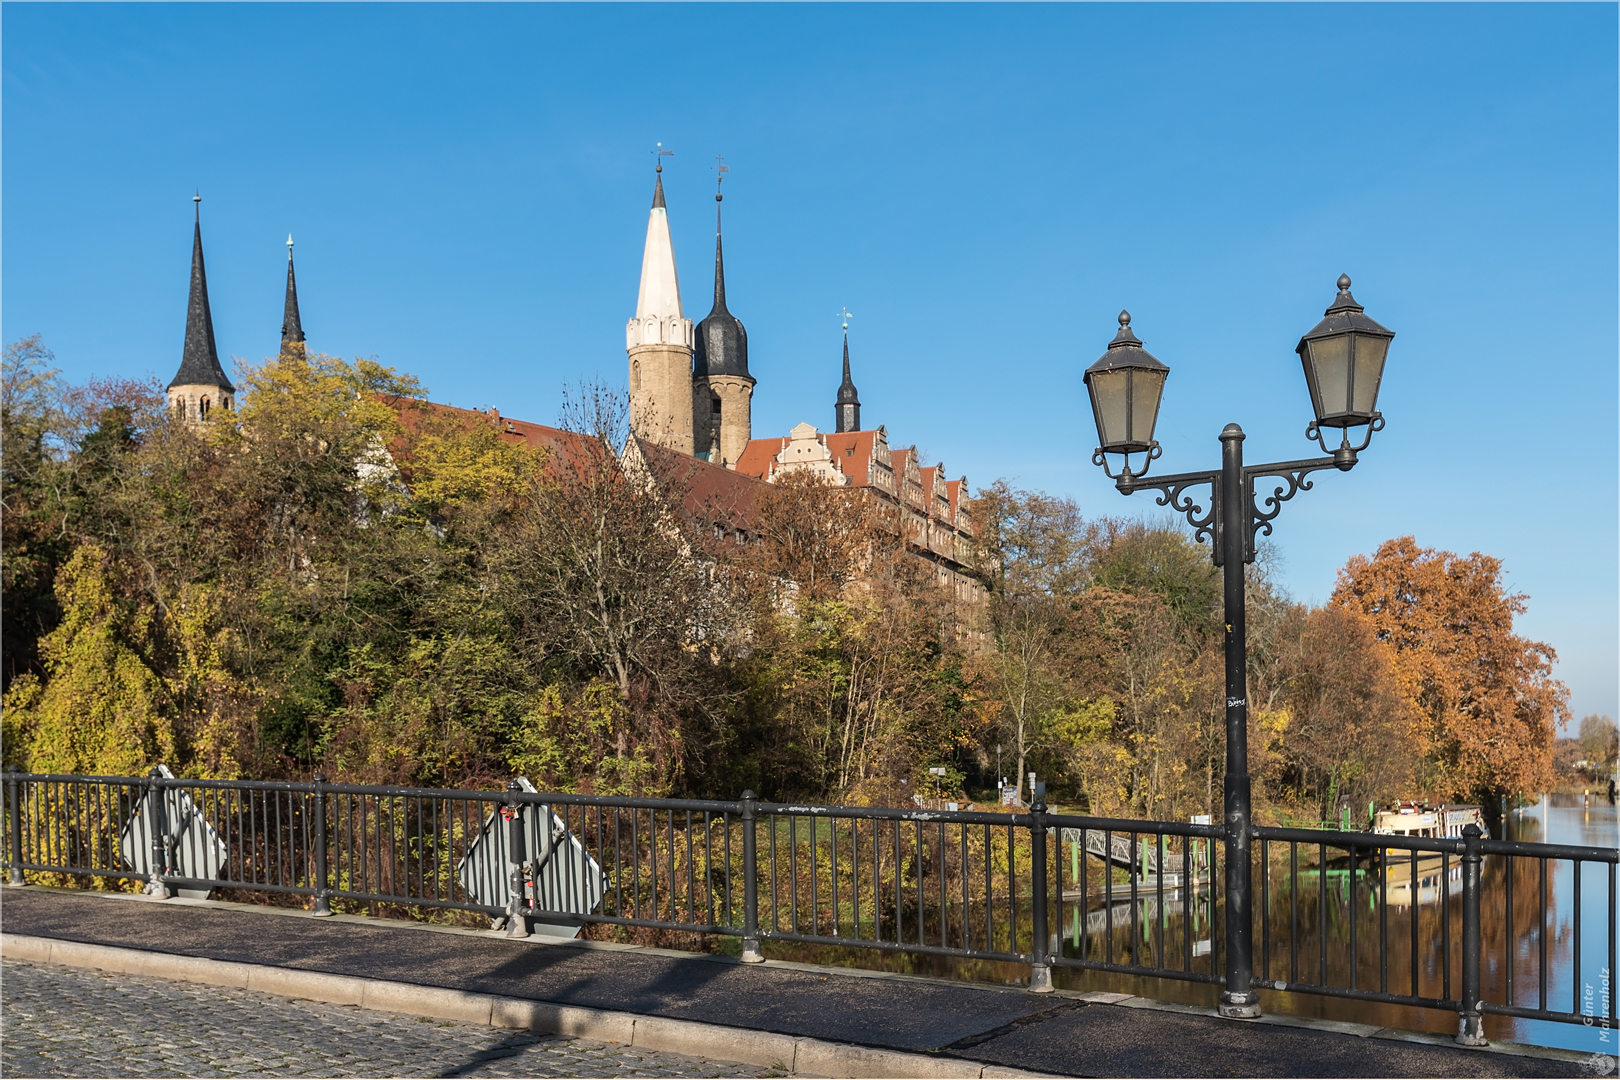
x: 1343, y: 358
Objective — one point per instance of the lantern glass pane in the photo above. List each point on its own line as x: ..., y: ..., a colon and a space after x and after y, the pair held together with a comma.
x: 1108, y: 397
x: 1370, y: 352
x: 1331, y: 358
x: 1145, y: 397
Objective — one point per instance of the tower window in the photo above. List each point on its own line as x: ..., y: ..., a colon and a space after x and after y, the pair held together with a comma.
x: 714, y: 404
x: 202, y: 409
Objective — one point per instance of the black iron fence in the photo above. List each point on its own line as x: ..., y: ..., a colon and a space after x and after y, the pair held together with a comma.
x: 1390, y: 919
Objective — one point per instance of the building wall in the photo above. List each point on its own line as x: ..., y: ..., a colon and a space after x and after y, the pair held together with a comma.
x: 195, y: 402
x: 661, y: 393
x: 736, y: 395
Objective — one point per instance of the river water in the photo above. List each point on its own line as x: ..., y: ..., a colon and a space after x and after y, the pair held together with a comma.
x: 1310, y: 937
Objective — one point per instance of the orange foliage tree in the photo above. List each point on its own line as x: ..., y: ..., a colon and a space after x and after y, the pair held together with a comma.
x: 1484, y: 701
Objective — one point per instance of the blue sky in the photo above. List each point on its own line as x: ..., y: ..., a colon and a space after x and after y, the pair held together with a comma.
x: 984, y: 187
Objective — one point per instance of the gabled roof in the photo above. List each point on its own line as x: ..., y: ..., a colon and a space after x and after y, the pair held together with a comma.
x: 899, y: 459
x: 852, y: 452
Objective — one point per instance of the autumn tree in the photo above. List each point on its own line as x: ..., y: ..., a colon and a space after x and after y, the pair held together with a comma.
x: 1600, y: 741
x: 1345, y: 735
x: 604, y: 582
x: 1484, y: 700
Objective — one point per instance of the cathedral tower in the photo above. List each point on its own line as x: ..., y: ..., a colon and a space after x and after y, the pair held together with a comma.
x: 847, y: 411
x: 722, y: 389
x: 659, y: 341
x: 200, y: 386
x: 292, y: 328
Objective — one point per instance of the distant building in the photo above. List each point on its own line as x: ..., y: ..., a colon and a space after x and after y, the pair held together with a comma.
x: 691, y: 409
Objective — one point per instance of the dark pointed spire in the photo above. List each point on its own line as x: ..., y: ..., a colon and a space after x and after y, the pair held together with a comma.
x: 722, y: 343
x: 292, y: 328
x: 199, y: 360
x: 848, y: 408
x: 719, y: 261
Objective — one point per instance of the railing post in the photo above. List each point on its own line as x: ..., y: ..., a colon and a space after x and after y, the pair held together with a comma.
x: 517, y: 909
x: 750, y: 941
x: 1040, y: 972
x: 323, y: 898
x: 1469, y: 1027
x: 155, y: 883
x: 14, y: 794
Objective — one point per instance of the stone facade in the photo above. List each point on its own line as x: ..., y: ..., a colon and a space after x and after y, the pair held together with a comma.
x: 728, y: 398
x: 196, y: 401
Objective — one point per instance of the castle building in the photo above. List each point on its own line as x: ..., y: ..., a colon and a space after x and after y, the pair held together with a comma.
x: 712, y: 373
x: 200, y: 386
x: 691, y: 412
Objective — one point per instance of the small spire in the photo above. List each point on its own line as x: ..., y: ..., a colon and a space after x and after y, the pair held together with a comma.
x: 847, y: 412
x: 719, y: 257
x: 659, y: 154
x: 292, y: 328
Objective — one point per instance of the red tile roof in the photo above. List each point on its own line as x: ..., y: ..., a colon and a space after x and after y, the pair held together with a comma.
x: 710, y: 493
x: 852, y: 452
x: 758, y: 458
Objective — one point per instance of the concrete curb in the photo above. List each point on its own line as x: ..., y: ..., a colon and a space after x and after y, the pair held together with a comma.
x: 793, y: 1055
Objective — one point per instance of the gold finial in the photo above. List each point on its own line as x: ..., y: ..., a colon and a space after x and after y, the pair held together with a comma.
x: 659, y: 154
x: 720, y: 170
x: 846, y: 315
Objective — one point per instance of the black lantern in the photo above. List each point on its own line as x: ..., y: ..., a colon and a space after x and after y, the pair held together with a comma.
x: 1126, y: 384
x: 1344, y: 363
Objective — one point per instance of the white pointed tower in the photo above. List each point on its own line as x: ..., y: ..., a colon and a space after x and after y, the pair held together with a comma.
x: 659, y: 340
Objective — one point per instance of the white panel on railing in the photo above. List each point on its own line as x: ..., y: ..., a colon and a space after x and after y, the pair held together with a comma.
x: 195, y: 849
x: 567, y: 881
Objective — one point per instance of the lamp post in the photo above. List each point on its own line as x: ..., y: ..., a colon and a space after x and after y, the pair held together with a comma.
x: 1343, y: 359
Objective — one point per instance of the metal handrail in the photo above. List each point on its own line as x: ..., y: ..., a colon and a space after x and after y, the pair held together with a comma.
x: 1141, y: 898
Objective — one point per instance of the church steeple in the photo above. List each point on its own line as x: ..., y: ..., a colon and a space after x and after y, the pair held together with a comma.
x: 848, y: 408
x: 659, y: 338
x: 200, y: 385
x: 292, y: 329
x: 722, y: 389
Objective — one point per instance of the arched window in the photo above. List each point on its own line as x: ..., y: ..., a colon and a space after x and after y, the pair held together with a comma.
x: 202, y: 408
x: 180, y: 408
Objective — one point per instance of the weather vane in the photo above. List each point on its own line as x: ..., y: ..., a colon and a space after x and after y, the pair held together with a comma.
x: 659, y: 154
x: 720, y: 171
x: 846, y: 315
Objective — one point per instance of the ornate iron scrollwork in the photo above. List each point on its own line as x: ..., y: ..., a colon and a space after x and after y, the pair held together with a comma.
x: 1262, y: 510
x: 1172, y: 493
x: 1314, y: 432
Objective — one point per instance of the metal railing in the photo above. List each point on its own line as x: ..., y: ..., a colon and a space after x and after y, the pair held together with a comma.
x: 1389, y: 919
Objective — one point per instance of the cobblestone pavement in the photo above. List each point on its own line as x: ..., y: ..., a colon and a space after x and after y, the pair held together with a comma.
x: 62, y: 1021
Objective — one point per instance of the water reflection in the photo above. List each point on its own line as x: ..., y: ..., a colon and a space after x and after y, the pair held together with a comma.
x: 1395, y: 929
